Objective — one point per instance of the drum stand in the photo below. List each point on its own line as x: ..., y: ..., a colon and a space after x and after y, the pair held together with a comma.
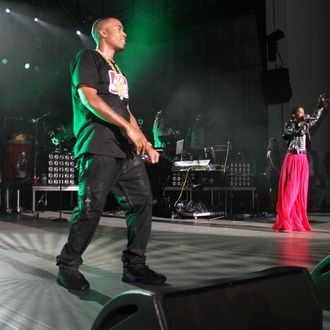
x: 8, y: 208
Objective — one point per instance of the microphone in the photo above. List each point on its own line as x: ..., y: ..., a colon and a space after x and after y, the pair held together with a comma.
x: 35, y: 120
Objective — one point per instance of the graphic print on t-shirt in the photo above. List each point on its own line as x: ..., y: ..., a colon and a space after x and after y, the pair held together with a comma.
x: 118, y: 84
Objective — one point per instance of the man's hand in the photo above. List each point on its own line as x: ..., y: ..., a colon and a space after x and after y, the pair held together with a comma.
x: 138, y: 138
x: 142, y: 145
x: 153, y: 155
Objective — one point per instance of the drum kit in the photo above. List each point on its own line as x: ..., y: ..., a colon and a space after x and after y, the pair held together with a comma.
x: 23, y: 151
x: 18, y: 157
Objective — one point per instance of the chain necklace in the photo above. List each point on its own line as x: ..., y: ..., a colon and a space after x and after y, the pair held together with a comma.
x: 120, y: 81
x: 112, y: 64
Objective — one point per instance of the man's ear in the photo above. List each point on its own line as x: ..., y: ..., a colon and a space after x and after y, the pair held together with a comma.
x: 102, y: 34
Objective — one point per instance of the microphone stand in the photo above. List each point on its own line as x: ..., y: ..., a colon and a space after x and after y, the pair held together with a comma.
x: 35, y: 121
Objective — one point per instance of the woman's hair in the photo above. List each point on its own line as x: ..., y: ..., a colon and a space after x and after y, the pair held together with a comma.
x: 295, y: 109
x: 273, y: 144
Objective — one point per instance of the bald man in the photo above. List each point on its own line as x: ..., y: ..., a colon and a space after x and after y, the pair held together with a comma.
x: 108, y: 149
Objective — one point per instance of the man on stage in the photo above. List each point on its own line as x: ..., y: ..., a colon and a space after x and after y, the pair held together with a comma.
x: 108, y: 155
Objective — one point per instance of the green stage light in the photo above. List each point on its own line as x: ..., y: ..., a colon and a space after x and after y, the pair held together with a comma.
x: 142, y: 40
x: 27, y: 66
x: 4, y: 60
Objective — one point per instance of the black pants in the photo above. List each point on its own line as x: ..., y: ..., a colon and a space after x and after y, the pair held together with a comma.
x: 128, y: 180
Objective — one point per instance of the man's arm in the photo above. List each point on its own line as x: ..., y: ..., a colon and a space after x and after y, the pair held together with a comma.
x: 100, y: 109
x: 133, y: 120
x: 152, y: 153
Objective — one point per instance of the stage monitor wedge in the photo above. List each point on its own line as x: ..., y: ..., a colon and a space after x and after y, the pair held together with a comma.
x: 279, y: 298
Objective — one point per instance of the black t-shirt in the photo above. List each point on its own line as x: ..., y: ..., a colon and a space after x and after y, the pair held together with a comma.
x: 95, y: 135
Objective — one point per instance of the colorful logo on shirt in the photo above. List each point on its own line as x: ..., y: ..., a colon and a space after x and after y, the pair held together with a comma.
x: 118, y: 84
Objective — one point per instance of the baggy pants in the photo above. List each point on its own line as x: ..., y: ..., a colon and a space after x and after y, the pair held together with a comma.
x: 128, y: 180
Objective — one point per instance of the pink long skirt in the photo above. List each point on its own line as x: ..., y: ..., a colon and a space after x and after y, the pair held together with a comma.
x: 291, y: 206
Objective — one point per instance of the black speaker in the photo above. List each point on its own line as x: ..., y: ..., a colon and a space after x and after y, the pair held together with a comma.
x: 276, y: 86
x: 321, y: 278
x: 276, y: 298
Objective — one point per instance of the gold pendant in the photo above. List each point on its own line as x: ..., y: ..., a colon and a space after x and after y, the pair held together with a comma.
x: 121, y: 89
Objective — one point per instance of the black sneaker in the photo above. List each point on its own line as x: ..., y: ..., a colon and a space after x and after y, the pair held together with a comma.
x: 142, y: 274
x: 72, y: 279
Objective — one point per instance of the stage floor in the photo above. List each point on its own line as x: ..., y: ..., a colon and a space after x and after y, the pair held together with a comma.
x: 186, y: 251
